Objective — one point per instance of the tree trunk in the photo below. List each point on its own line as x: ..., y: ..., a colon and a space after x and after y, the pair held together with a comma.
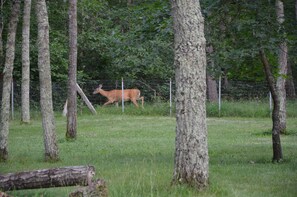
x: 191, y: 149
x: 1, y: 38
x: 48, y: 121
x: 212, y: 92
x: 129, y: 2
x: 296, y: 9
x: 276, y: 122
x: 211, y: 85
x: 290, y: 87
x: 72, y: 95
x: 282, y: 66
x: 7, y: 79
x: 55, y: 177
x: 26, y: 63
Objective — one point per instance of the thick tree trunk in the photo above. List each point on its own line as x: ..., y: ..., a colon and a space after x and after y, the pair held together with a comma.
x: 276, y: 122
x: 72, y: 95
x: 55, y: 177
x: 48, y: 121
x: 26, y: 63
x: 7, y: 79
x: 282, y: 66
x: 191, y: 149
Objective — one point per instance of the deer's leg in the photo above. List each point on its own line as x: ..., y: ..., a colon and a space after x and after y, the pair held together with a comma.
x: 142, y: 100
x: 108, y: 102
x: 134, y: 102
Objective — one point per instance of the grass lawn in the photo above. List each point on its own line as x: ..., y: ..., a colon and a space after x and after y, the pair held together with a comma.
x: 134, y: 154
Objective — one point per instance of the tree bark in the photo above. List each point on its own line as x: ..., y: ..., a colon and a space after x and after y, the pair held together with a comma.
x: 212, y: 92
x: 1, y: 38
x: 72, y: 95
x: 7, y: 79
x: 55, y: 177
x: 282, y: 67
x: 211, y: 85
x: 276, y: 122
x: 48, y: 121
x: 290, y: 87
x: 296, y: 9
x: 26, y: 63
x: 191, y: 149
x: 129, y: 2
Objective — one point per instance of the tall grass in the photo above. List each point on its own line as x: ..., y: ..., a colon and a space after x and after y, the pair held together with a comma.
x: 134, y: 154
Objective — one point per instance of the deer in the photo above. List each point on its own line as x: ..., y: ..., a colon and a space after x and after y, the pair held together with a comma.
x: 114, y: 96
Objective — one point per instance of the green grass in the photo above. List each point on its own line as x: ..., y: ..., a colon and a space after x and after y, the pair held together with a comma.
x: 252, y: 109
x: 134, y: 154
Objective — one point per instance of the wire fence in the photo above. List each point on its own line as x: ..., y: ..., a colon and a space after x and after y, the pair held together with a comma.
x: 153, y: 91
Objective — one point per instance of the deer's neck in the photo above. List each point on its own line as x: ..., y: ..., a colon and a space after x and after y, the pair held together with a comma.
x: 103, y: 93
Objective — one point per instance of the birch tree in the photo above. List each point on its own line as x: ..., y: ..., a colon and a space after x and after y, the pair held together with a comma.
x: 282, y: 66
x: 26, y: 63
x: 48, y: 121
x: 7, y: 79
x: 191, y: 149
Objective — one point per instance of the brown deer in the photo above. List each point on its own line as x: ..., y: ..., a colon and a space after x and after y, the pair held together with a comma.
x: 116, y: 95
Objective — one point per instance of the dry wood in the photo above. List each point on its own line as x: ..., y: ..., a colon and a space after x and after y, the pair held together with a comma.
x: 55, y: 177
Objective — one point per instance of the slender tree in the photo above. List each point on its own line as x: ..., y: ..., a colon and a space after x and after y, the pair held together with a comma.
x: 26, y: 63
x: 276, y: 121
x: 7, y: 79
x: 72, y: 95
x: 48, y: 121
x: 1, y: 30
x: 282, y: 66
x: 191, y: 149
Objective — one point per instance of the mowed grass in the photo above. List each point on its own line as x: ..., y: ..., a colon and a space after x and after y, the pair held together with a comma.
x: 135, y: 155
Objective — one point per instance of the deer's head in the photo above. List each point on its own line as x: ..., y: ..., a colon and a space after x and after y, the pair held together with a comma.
x: 97, y: 90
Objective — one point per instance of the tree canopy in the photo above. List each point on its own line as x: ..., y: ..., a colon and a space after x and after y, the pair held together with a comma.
x: 135, y: 41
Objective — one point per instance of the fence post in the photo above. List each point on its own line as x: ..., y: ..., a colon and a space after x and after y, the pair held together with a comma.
x: 123, y: 107
x: 220, y: 95
x: 170, y: 96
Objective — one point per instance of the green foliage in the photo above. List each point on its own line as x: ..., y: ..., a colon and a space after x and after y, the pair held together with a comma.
x: 132, y: 42
x: 134, y: 154
x: 136, y: 42
x: 238, y: 29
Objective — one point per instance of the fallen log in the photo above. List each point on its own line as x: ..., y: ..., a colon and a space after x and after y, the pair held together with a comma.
x: 55, y: 177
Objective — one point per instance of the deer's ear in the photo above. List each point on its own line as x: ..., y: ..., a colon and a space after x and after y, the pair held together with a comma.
x: 100, y: 86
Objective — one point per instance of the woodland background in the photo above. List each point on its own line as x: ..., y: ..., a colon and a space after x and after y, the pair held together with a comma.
x: 134, y: 40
